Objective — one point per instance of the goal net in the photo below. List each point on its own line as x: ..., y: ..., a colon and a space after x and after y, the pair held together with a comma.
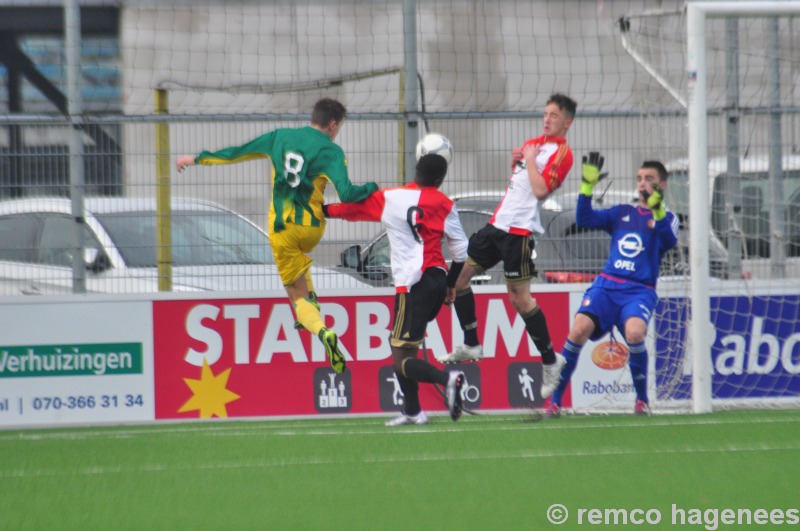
x: 730, y: 336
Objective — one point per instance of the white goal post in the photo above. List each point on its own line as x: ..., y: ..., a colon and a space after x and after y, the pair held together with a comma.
x: 696, y: 15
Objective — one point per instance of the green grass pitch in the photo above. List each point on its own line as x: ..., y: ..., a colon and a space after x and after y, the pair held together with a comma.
x: 483, y: 472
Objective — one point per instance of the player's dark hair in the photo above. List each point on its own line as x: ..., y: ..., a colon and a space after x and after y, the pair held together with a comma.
x: 327, y: 109
x: 431, y: 170
x: 565, y: 103
x: 656, y: 165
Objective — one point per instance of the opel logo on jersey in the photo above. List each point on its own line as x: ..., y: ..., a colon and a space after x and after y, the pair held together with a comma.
x: 630, y: 245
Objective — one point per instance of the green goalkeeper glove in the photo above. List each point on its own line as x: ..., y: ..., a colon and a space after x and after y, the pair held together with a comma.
x: 656, y: 203
x: 590, y: 172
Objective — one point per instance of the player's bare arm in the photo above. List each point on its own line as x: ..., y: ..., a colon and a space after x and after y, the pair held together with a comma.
x: 184, y: 161
x: 538, y: 183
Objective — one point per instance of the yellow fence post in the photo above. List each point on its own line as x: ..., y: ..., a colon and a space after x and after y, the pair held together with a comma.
x: 163, y: 195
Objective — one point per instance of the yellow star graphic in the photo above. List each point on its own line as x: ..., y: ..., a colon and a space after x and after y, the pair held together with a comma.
x: 209, y: 394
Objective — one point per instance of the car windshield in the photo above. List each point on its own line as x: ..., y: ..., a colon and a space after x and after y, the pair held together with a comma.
x: 198, y: 238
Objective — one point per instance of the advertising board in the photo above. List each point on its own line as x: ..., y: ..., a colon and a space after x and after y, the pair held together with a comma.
x: 755, y: 351
x: 244, y: 358
x: 116, y: 359
x: 76, y: 363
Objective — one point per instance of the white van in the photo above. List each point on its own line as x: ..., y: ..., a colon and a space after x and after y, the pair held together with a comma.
x: 756, y: 203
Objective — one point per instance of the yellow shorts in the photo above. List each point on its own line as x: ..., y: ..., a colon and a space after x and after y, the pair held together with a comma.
x: 290, y: 247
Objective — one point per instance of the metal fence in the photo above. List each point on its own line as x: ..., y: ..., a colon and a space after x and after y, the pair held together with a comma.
x: 120, y: 162
x: 469, y: 70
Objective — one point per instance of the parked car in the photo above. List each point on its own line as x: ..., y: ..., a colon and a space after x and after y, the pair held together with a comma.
x: 213, y: 248
x: 565, y: 253
x: 755, y: 200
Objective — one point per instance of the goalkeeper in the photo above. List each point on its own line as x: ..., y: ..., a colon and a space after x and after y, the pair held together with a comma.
x: 302, y: 160
x: 624, y: 294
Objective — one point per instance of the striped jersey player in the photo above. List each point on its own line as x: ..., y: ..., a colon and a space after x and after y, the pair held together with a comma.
x: 417, y: 218
x: 518, y: 212
x: 539, y: 167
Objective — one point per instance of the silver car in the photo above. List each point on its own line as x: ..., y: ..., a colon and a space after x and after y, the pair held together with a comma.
x: 213, y: 248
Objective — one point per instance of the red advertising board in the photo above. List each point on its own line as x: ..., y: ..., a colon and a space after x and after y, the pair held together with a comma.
x: 243, y: 357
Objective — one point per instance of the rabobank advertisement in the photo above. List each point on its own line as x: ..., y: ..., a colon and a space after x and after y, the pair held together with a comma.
x: 755, y: 351
x: 755, y: 354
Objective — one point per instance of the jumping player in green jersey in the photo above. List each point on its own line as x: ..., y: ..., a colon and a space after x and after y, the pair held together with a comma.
x: 303, y: 160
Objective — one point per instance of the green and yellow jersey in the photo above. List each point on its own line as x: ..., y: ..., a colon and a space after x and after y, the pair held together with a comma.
x: 303, y: 160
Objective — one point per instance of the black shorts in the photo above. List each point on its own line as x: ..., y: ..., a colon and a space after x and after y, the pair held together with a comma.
x: 490, y: 245
x: 415, y: 309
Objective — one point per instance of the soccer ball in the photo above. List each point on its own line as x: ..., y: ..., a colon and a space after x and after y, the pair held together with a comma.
x: 435, y: 144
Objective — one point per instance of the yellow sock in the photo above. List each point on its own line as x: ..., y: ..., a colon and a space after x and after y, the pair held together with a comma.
x: 308, y: 315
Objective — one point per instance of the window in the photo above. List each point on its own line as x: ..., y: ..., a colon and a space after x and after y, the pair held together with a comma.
x: 56, y: 243
x: 757, y: 202
x: 198, y: 238
x: 101, y: 69
x: 379, y: 254
x: 17, y: 234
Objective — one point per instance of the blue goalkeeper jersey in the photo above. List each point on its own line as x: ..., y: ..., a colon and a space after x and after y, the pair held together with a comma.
x: 638, y: 242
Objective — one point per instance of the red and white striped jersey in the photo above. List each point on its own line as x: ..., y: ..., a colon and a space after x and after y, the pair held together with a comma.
x: 416, y: 219
x: 518, y: 212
